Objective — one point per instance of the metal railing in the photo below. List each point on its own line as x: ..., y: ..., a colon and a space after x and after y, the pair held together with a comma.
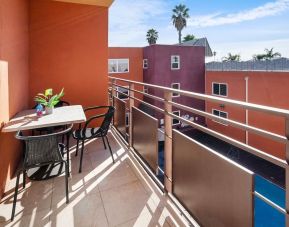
x: 168, y: 104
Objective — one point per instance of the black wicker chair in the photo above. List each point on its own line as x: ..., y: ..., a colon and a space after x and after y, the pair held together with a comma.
x: 85, y: 133
x: 47, y: 130
x: 40, y: 151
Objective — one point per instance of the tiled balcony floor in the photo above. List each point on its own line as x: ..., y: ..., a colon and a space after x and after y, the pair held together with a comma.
x: 102, y: 195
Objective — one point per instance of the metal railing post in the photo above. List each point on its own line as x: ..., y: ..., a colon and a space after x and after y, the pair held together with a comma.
x: 113, y: 92
x: 131, y: 105
x: 168, y: 142
x: 287, y: 171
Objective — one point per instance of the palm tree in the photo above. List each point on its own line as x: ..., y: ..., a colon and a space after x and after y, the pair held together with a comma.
x: 152, y: 36
x: 232, y: 57
x: 188, y: 38
x: 269, y: 54
x: 179, y: 18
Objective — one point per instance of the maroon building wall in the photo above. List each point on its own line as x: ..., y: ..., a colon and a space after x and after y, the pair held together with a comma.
x: 191, y: 74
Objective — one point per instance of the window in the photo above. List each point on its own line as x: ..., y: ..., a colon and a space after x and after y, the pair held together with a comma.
x: 118, y: 65
x: 122, y: 90
x: 145, y: 89
x: 176, y: 121
x: 145, y: 63
x: 220, y: 89
x: 176, y: 86
x: 220, y: 114
x: 175, y: 62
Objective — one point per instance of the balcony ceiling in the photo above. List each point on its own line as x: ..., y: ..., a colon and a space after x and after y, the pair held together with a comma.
x: 105, y: 3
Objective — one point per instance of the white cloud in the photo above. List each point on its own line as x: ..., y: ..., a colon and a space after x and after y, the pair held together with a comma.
x: 130, y: 20
x: 215, y: 19
x: 249, y: 48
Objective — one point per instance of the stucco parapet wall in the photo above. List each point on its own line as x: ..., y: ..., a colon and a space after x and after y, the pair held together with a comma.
x: 276, y: 65
x: 104, y: 3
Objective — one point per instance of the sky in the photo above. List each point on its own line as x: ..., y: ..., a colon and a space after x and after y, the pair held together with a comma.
x: 244, y: 27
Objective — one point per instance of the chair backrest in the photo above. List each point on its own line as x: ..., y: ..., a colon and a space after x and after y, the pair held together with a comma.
x: 62, y: 103
x: 42, y: 149
x: 107, y: 120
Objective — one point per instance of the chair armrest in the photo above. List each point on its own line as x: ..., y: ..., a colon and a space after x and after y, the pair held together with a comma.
x: 90, y: 120
x: 88, y: 109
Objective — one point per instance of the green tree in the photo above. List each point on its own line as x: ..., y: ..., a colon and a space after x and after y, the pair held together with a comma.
x: 188, y: 38
x: 152, y: 36
x: 179, y: 18
x: 232, y: 57
x: 269, y: 54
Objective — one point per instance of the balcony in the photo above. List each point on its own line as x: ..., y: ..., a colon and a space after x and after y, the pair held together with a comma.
x: 163, y: 176
x: 188, y: 160
x: 104, y: 194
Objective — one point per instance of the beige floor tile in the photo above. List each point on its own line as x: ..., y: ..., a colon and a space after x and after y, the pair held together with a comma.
x: 124, y: 203
x: 85, y: 210
x: 36, y: 196
x: 75, y: 162
x: 77, y: 185
x: 35, y: 219
x: 104, y: 194
x: 120, y: 174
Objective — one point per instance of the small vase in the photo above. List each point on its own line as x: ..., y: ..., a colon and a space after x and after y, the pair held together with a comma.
x: 49, y: 110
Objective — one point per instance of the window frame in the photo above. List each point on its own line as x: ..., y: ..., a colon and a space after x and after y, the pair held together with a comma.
x: 145, y: 89
x: 117, y: 65
x: 178, y: 95
x: 143, y: 63
x: 219, y: 84
x: 179, y: 62
x: 117, y: 95
x: 220, y: 116
x: 176, y: 119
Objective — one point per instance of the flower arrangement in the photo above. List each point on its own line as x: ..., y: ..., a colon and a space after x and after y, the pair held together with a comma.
x: 48, y: 100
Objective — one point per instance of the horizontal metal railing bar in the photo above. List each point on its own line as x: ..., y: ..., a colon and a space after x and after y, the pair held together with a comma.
x: 241, y: 104
x: 150, y: 105
x: 270, y: 158
x: 143, y: 93
x: 261, y: 132
x: 280, y: 162
x: 149, y: 95
x: 270, y: 203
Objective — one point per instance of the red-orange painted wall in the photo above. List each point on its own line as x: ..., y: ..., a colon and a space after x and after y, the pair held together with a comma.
x: 265, y: 88
x: 14, y: 73
x: 135, y: 56
x: 47, y: 44
x: 69, y: 49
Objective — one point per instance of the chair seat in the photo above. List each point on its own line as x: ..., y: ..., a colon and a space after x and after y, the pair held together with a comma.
x: 88, y: 134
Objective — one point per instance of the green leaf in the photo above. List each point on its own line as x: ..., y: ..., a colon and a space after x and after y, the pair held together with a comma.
x: 48, y: 92
x: 41, y: 95
x: 61, y: 94
x: 51, y: 100
x: 41, y: 101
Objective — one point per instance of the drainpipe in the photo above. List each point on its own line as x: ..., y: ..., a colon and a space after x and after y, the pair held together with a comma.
x: 247, y: 82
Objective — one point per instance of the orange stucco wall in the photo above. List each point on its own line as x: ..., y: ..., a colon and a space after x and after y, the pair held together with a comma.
x: 48, y: 44
x: 14, y: 73
x: 265, y: 88
x: 69, y: 49
x: 135, y: 56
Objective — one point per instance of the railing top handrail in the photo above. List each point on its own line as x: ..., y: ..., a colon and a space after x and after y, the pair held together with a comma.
x: 241, y: 104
